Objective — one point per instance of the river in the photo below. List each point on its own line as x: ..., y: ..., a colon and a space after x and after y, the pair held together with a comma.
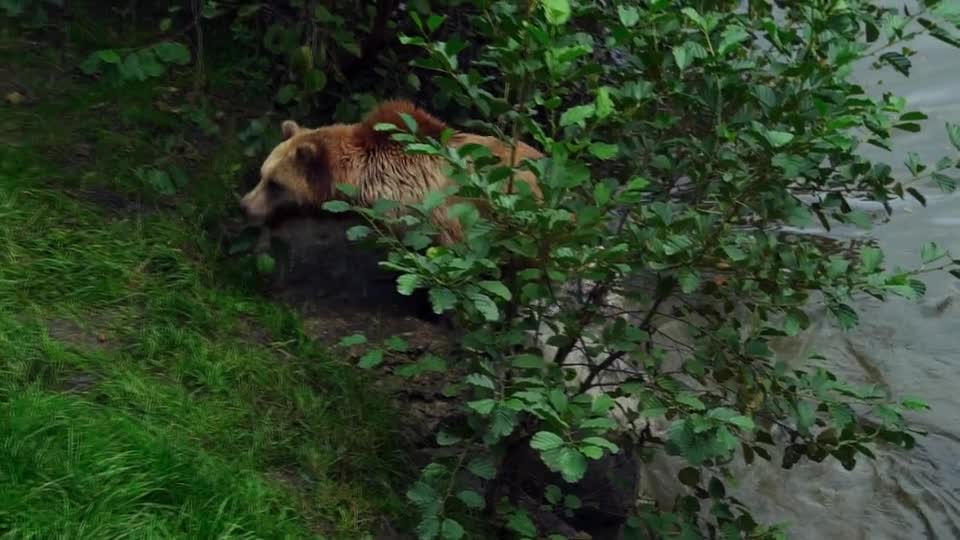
x: 910, y: 348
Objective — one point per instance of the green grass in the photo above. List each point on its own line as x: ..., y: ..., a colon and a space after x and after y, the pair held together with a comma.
x: 146, y: 389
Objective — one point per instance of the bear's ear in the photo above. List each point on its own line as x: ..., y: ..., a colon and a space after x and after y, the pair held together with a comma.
x: 289, y: 128
x: 305, y: 152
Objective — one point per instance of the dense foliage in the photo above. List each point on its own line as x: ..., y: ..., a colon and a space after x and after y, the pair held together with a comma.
x: 682, y: 136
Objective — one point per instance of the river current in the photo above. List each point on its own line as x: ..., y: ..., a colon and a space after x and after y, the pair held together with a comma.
x: 907, y: 347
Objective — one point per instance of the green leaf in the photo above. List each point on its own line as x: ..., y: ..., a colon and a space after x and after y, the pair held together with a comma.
x: 358, y: 232
x: 898, y: 61
x: 451, y: 530
x: 422, y: 494
x: 598, y: 423
x: 416, y: 240
x: 482, y: 406
x: 371, y: 359
x: 434, y: 199
x: 602, y: 443
x: 485, y: 305
x: 91, y: 65
x: 685, y: 54
x: 521, y: 523
x: 385, y: 127
x: 161, y: 182
x: 149, y: 64
x: 428, y: 528
x: 265, y: 263
x: 173, y: 53
x: 916, y: 195
x: 689, y: 280
x: 544, y: 441
x: 742, y: 422
x: 355, y: 339
x: 601, y: 404
x: 429, y: 363
x: 846, y: 315
x: 638, y: 183
x: 953, y: 131
x: 601, y: 193
x: 109, y: 56
x: 690, y: 401
x: 286, y: 94
x: 915, y: 404
x: 689, y: 476
x: 871, y: 258
x: 497, y: 288
x: 592, y: 452
x: 347, y: 189
x: 573, y: 465
x: 931, y: 252
x: 529, y: 361
x: 694, y: 16
x: 732, y: 36
x: 553, y: 494
x: 914, y: 164
x: 480, y: 380
x: 131, y: 69
x: 604, y: 104
x: 556, y: 11
x: 315, y: 81
x: 407, y: 283
x: 735, y: 253
x: 446, y: 439
x: 471, y: 499
x: 806, y: 415
x: 778, y: 138
x: 442, y: 299
x: 434, y: 21
x: 909, y: 127
x: 482, y: 467
x: 766, y: 95
x: 795, y: 322
x: 946, y: 183
x: 716, y: 489
x: 603, y: 150
x: 337, y: 207
x: 682, y: 57
x: 577, y: 115
x: 409, y: 121
x: 914, y: 116
x: 558, y: 399
x: 629, y: 15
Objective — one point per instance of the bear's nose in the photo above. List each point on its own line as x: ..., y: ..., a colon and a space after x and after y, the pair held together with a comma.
x: 249, y: 208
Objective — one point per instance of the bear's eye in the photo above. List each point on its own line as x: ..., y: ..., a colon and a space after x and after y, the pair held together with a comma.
x: 274, y: 187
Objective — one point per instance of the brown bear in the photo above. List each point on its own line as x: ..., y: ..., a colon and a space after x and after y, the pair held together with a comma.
x: 304, y: 169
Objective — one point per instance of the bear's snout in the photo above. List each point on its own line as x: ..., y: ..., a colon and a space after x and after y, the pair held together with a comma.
x: 252, y: 208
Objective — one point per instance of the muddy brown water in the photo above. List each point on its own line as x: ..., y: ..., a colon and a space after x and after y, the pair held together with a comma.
x: 910, y: 348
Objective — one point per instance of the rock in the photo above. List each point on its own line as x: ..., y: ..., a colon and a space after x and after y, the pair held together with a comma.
x: 15, y: 98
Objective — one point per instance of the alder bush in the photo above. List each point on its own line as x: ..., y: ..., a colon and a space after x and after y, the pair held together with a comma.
x: 682, y: 136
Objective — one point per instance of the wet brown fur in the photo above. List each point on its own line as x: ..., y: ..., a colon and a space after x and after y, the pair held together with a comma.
x: 310, y: 162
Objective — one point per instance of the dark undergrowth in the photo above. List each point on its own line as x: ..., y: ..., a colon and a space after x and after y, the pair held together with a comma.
x: 147, y: 389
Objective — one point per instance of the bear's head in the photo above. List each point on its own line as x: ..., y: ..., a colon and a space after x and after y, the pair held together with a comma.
x: 296, y: 174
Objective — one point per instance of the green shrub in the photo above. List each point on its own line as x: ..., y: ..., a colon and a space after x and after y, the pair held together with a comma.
x: 681, y: 135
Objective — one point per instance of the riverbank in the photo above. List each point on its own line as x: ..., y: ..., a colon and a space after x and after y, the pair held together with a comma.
x: 146, y: 387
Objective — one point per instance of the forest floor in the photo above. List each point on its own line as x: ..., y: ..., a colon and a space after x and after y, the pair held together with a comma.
x: 148, y: 387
